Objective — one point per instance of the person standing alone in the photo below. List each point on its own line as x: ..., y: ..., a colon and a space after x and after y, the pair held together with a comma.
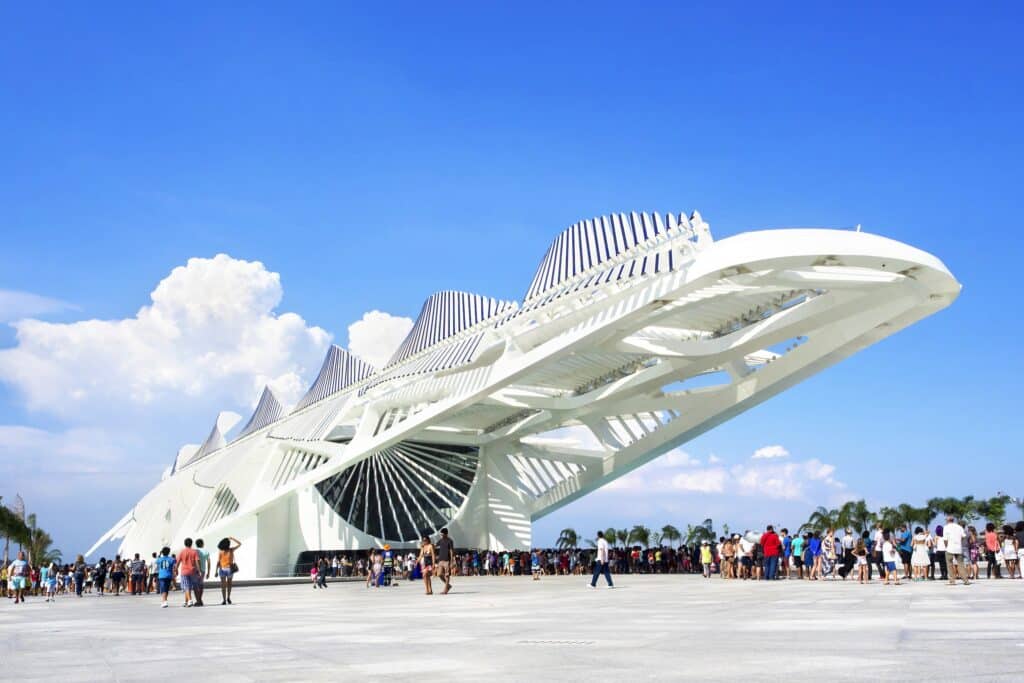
x: 601, y: 562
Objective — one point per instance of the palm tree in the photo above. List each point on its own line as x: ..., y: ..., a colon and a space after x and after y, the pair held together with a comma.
x: 40, y: 551
x: 670, y: 533
x: 820, y: 520
x: 622, y: 535
x: 889, y: 517
x: 640, y: 535
x: 856, y: 515
x: 703, y: 532
x: 12, y: 526
x: 567, y: 539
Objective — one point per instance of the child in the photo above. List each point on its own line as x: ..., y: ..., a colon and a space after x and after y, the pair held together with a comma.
x: 889, y: 557
x: 313, y: 576
x: 535, y: 565
x: 861, y: 553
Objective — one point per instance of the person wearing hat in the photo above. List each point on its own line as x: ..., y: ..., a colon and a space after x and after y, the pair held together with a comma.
x: 389, y: 566
x: 705, y: 558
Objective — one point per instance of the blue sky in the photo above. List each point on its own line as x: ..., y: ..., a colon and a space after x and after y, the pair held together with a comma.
x: 371, y: 156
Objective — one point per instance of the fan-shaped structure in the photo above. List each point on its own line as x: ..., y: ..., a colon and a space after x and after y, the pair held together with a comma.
x: 405, y: 491
x: 340, y: 370
x: 637, y: 334
x: 268, y: 411
x: 444, y: 315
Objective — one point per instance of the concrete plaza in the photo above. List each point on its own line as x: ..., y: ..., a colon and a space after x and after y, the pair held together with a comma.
x: 510, y: 628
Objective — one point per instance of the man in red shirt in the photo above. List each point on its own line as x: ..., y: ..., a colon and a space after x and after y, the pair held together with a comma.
x: 772, y: 547
x: 188, y: 571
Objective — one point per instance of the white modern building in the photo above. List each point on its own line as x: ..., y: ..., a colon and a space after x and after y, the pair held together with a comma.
x: 638, y: 333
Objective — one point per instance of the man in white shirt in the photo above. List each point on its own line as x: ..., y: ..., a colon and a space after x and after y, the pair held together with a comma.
x: 956, y: 551
x: 601, y: 562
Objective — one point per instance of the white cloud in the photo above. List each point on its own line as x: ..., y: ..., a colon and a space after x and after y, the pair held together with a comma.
x: 712, y: 459
x: 809, y: 480
x: 766, y: 452
x: 210, y: 331
x: 377, y: 335
x: 16, y: 305
x: 705, y: 480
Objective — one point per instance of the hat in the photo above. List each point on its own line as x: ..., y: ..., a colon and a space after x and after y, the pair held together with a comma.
x: 735, y: 535
x: 703, y: 542
x: 387, y: 547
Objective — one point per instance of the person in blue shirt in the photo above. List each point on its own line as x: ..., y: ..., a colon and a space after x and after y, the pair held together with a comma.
x: 814, y: 547
x: 787, y: 552
x: 905, y: 547
x: 164, y: 573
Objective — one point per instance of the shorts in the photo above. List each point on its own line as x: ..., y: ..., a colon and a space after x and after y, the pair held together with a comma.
x: 225, y: 572
x: 117, y: 577
x: 189, y: 582
x: 890, y: 566
x: 798, y: 561
x: 164, y: 585
x: 746, y: 561
x: 19, y: 583
x: 535, y: 570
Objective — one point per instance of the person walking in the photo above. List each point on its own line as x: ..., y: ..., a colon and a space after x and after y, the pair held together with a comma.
x: 445, y: 559
x: 164, y: 573
x: 204, y: 571
x: 187, y: 568
x: 137, y: 573
x: 18, y: 576
x: 79, y: 573
x: 957, y: 561
x: 426, y: 561
x: 226, y: 566
x: 601, y: 562
x: 705, y: 558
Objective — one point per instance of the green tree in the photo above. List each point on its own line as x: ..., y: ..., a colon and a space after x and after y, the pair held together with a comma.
x: 820, y: 520
x: 623, y: 536
x: 702, y: 532
x: 13, y: 527
x: 670, y: 533
x: 889, y: 517
x: 994, y: 509
x: 568, y: 538
x: 640, y: 535
x: 855, y: 514
x: 611, y: 534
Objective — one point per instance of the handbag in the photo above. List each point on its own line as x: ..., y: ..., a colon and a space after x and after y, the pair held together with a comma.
x: 234, y: 568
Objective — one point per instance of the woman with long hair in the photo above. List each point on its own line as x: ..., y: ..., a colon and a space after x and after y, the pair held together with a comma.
x: 226, y: 566
x: 426, y: 561
x: 1010, y: 551
x: 919, y: 559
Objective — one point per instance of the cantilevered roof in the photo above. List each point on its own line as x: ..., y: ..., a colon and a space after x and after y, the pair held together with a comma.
x: 587, y: 244
x: 268, y: 410
x: 445, y: 314
x: 340, y: 369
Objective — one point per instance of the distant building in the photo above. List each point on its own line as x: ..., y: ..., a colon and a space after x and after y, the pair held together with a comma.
x: 638, y: 333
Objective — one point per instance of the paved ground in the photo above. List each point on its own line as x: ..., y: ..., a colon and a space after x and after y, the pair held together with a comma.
x: 660, y: 627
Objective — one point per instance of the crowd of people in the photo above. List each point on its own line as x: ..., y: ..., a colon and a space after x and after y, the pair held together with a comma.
x: 952, y: 551
x: 187, y: 570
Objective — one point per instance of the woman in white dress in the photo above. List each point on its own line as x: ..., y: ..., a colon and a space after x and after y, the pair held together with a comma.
x: 920, y: 560
x: 1010, y: 551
